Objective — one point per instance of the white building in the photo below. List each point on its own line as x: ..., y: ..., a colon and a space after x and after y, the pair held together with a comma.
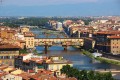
x: 59, y: 26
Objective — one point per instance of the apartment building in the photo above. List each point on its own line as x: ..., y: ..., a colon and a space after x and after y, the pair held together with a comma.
x: 8, y: 52
x: 102, y: 41
x: 29, y: 39
x: 56, y: 63
x: 114, y: 44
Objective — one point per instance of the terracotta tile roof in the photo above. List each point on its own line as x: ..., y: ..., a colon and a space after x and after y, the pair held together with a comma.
x: 42, y: 71
x: 2, y: 74
x: 70, y: 78
x: 3, y: 67
x: 29, y: 34
x: 25, y: 75
x: 21, y: 41
x: 9, y: 46
x: 11, y: 31
x: 22, y: 54
x: 26, y: 61
x: 108, y: 32
x: 43, y: 77
x: 31, y: 71
x: 37, y: 60
x: 114, y: 37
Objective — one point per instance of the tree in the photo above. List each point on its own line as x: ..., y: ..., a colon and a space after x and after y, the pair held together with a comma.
x: 66, y: 69
x: 91, y: 75
x: 85, y: 75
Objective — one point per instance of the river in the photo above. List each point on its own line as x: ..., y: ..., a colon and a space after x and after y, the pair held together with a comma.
x: 79, y: 60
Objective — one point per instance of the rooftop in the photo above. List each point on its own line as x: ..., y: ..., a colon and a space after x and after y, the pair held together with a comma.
x: 29, y: 34
x: 108, y: 32
x: 114, y: 37
x: 16, y: 72
x: 8, y: 46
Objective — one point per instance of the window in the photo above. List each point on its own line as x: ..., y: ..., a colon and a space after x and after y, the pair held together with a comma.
x: 1, y: 57
x: 6, y: 57
x: 29, y: 43
x: 57, y: 67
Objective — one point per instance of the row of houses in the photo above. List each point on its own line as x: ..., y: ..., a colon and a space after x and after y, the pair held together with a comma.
x: 33, y: 63
x: 11, y: 73
x: 102, y: 35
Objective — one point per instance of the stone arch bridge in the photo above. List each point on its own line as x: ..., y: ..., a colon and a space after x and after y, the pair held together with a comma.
x: 65, y: 42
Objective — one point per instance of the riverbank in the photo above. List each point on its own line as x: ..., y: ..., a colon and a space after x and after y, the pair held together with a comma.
x: 87, y: 54
x: 101, y: 59
x: 107, y: 60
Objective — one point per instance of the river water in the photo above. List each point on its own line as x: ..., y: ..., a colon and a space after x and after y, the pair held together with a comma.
x: 79, y: 60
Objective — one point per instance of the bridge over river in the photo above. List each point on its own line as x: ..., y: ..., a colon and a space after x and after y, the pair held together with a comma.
x: 64, y: 42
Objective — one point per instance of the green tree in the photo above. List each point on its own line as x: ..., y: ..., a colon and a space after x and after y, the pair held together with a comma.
x: 66, y: 69
x: 85, y: 75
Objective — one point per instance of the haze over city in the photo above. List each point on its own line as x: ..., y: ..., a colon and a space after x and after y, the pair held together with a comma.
x: 59, y: 8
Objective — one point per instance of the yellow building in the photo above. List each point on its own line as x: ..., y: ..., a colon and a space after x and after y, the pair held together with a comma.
x: 29, y: 39
x: 56, y: 63
x: 24, y: 29
x: 7, y: 53
x: 7, y: 34
x: 114, y: 44
x: 11, y: 34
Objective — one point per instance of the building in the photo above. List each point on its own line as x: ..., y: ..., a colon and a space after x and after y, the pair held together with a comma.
x: 3, y: 34
x: 56, y: 63
x: 9, y: 73
x: 73, y: 31
x: 8, y: 52
x: 102, y: 41
x: 29, y: 39
x: 7, y: 34
x: 20, y: 43
x: 24, y: 29
x: 114, y: 44
x: 33, y: 63
x: 29, y: 62
x: 59, y: 26
x: 19, y: 36
x: 89, y: 43
x: 52, y: 24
